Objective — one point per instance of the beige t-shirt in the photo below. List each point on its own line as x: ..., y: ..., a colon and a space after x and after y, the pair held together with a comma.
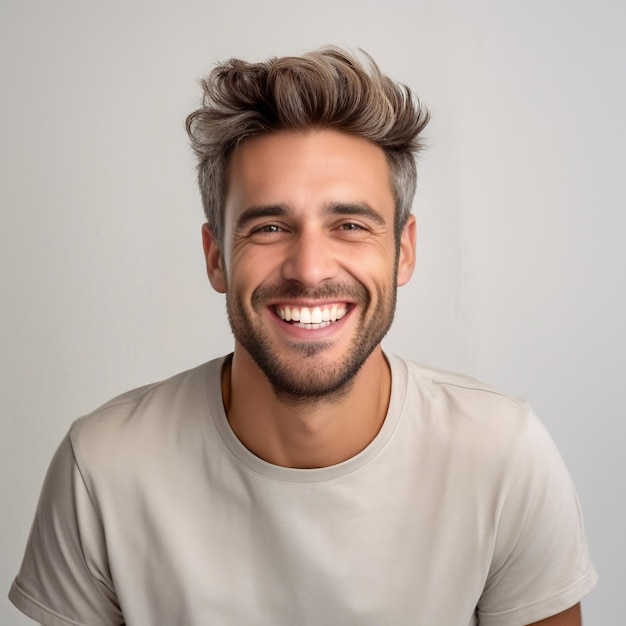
x: 153, y: 513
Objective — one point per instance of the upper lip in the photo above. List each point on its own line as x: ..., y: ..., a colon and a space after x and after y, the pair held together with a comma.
x: 311, y: 303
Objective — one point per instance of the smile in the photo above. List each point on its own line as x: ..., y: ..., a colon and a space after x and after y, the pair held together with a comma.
x: 311, y: 317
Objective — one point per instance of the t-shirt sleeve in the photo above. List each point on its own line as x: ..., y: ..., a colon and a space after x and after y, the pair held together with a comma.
x: 541, y: 563
x: 65, y: 578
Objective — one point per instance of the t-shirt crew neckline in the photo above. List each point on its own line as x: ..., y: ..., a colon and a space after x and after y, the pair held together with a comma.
x: 255, y: 464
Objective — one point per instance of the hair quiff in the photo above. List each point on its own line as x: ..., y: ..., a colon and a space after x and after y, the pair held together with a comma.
x: 326, y: 89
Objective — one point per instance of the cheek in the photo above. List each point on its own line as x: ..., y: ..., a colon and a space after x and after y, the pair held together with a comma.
x: 247, y: 271
x: 261, y: 260
x: 374, y: 269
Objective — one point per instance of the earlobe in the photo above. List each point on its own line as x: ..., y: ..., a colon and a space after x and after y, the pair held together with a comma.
x: 214, y: 262
x: 406, y: 260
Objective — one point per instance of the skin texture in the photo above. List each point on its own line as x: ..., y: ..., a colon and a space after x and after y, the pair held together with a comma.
x: 309, y: 221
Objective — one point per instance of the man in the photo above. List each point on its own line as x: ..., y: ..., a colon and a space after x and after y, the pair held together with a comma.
x: 308, y: 478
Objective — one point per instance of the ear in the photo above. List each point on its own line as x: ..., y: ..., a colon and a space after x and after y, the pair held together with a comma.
x: 214, y: 262
x: 406, y: 260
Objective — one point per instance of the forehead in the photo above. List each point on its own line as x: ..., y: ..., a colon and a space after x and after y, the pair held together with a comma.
x: 307, y: 167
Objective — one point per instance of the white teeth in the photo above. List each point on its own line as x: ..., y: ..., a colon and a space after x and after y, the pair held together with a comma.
x: 312, y: 317
x: 312, y: 326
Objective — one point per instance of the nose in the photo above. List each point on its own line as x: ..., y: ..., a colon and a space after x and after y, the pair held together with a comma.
x: 310, y: 259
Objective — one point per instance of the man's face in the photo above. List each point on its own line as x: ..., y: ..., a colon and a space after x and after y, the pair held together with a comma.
x: 309, y: 264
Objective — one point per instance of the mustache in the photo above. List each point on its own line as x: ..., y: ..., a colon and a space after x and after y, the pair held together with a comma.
x: 295, y: 291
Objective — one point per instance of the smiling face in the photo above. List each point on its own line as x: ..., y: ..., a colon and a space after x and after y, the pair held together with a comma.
x: 310, y: 265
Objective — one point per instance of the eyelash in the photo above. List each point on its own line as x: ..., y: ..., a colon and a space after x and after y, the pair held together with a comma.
x: 266, y: 229
x: 351, y: 226
x: 270, y: 229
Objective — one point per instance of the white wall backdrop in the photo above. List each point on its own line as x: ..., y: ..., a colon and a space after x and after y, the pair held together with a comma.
x: 521, y: 264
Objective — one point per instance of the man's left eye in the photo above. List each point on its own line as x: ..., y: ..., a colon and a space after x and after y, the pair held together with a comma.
x: 351, y: 226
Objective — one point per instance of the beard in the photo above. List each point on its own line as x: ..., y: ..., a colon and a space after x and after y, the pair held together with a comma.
x: 311, y: 380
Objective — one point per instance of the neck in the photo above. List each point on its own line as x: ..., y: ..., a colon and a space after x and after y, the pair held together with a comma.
x: 309, y: 433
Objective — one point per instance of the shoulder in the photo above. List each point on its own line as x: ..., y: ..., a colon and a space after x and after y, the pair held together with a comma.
x: 459, y: 398
x: 449, y: 384
x: 149, y: 403
x: 146, y: 421
x: 468, y: 424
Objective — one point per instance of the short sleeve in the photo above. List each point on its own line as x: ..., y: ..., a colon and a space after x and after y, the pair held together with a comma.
x: 541, y: 563
x: 64, y: 578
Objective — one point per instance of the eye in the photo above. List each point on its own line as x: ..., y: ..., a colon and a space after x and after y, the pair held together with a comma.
x: 267, y: 229
x: 352, y: 227
x: 267, y: 233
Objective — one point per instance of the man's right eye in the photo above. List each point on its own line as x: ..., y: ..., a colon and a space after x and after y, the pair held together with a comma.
x: 266, y: 229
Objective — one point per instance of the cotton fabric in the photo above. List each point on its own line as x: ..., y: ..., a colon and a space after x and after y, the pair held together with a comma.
x: 153, y: 512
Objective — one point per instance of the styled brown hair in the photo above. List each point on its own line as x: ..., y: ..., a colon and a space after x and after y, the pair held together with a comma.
x: 324, y: 89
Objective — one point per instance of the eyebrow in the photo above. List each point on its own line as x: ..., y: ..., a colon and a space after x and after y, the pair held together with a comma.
x: 256, y: 212
x: 356, y: 209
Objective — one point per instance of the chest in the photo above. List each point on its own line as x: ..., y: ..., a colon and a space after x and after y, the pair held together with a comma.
x: 374, y: 549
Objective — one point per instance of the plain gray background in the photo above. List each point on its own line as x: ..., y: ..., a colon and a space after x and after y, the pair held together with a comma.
x: 520, y: 278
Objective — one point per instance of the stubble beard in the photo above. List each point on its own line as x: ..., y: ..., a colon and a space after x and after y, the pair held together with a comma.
x: 311, y: 380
